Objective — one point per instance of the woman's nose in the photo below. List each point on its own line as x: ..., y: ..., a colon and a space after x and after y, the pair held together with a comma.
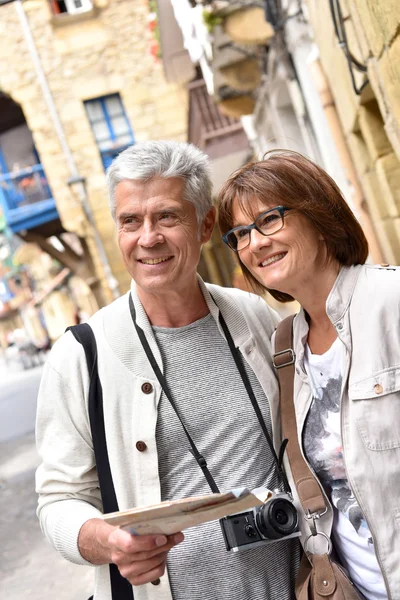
x: 258, y: 240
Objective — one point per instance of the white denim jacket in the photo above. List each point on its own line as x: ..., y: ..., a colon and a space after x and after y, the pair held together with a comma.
x: 364, y: 307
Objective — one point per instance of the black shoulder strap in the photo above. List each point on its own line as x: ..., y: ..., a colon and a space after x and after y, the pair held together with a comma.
x: 121, y: 589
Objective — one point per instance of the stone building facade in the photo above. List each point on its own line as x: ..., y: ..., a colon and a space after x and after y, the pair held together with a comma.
x: 88, y: 56
x: 327, y: 85
x: 369, y: 111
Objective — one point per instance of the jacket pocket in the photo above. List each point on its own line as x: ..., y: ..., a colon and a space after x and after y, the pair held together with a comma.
x: 378, y: 411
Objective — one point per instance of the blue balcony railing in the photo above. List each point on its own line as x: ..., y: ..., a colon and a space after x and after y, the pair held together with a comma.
x: 26, y: 198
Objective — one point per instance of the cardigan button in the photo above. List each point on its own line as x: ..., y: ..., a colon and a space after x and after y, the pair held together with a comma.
x: 141, y: 446
x: 156, y: 581
x: 378, y: 389
x: 147, y: 388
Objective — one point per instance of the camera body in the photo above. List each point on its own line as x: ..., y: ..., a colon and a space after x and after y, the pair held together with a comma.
x: 273, y: 521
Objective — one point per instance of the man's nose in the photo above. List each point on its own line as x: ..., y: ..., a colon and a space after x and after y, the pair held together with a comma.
x: 150, y: 235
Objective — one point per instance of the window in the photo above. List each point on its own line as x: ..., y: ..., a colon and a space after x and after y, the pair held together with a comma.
x: 110, y: 126
x: 70, y: 6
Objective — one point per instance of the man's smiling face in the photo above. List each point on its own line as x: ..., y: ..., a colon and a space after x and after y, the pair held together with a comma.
x: 158, y: 233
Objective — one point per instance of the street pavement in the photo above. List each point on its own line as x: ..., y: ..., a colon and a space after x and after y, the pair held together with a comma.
x: 29, y: 566
x: 18, y: 392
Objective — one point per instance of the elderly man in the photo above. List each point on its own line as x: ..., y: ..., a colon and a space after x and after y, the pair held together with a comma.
x: 160, y: 195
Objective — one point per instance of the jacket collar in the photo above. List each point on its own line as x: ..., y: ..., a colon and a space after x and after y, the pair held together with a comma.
x: 217, y: 300
x: 337, y: 305
x: 338, y: 301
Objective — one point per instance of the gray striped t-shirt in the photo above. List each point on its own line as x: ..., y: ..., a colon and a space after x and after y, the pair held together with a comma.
x: 217, y: 412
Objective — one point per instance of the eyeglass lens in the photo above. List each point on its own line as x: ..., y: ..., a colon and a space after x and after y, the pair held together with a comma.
x: 267, y: 223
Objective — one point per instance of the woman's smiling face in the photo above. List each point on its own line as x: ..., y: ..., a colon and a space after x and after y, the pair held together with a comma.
x: 286, y: 260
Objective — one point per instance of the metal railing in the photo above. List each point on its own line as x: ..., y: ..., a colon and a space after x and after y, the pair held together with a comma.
x: 208, y: 122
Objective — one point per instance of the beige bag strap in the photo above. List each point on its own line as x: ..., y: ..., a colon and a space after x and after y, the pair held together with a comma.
x: 309, y: 492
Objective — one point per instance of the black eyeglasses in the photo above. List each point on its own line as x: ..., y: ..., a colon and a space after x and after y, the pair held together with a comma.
x: 267, y: 223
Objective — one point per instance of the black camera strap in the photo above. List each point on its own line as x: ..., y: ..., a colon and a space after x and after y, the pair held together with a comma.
x: 201, y: 461
x: 240, y: 367
x: 238, y: 361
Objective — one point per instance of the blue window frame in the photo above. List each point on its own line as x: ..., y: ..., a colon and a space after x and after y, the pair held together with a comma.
x: 110, y: 125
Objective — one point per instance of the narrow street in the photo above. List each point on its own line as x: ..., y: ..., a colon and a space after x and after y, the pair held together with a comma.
x: 29, y: 567
x: 18, y: 394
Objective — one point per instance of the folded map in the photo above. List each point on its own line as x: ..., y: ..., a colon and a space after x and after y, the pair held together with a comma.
x: 173, y: 516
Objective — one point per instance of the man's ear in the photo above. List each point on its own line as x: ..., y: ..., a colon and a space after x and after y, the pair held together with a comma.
x: 207, y: 225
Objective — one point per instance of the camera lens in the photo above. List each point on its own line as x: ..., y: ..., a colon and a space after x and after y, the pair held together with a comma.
x: 277, y: 519
x: 281, y: 517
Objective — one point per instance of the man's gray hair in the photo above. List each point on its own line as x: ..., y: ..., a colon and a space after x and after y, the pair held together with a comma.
x: 164, y: 159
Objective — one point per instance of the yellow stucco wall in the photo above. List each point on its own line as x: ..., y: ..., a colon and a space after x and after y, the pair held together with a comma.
x: 371, y: 121
x: 84, y: 57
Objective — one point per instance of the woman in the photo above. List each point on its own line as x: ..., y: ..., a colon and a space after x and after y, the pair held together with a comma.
x: 296, y: 237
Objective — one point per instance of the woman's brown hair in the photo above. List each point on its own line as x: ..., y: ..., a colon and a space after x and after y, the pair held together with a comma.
x: 287, y: 178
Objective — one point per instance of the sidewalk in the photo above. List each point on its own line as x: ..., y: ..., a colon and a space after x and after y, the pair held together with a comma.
x: 29, y: 567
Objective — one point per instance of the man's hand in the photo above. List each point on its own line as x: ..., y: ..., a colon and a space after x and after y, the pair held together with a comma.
x: 140, y: 559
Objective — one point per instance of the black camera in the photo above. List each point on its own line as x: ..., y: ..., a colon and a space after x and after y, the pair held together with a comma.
x: 273, y: 521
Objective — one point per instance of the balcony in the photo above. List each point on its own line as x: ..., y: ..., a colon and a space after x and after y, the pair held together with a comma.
x: 209, y: 129
x: 26, y: 199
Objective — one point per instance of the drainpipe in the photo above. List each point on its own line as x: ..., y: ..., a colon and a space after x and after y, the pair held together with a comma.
x: 329, y: 108
x: 75, y: 178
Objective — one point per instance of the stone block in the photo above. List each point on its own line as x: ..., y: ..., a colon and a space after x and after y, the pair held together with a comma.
x: 77, y: 36
x: 145, y: 121
x: 367, y: 93
x: 372, y: 27
x: 346, y: 101
x: 96, y: 181
x: 389, y: 240
x: 89, y: 87
x: 337, y: 71
x: 137, y: 94
x: 33, y: 7
x: 50, y: 146
x: 27, y: 93
x: 143, y: 136
x: 359, y: 152
x: 171, y: 127
x: 116, y: 83
x: 385, y: 17
x: 354, y: 40
x: 373, y: 194
x: 360, y: 33
x: 373, y: 131
x: 377, y: 86
x: 248, y: 26
x: 392, y: 128
x: 389, y: 77
x: 165, y: 115
x: 168, y: 102
x: 38, y: 120
x: 388, y: 171
x: 182, y: 137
